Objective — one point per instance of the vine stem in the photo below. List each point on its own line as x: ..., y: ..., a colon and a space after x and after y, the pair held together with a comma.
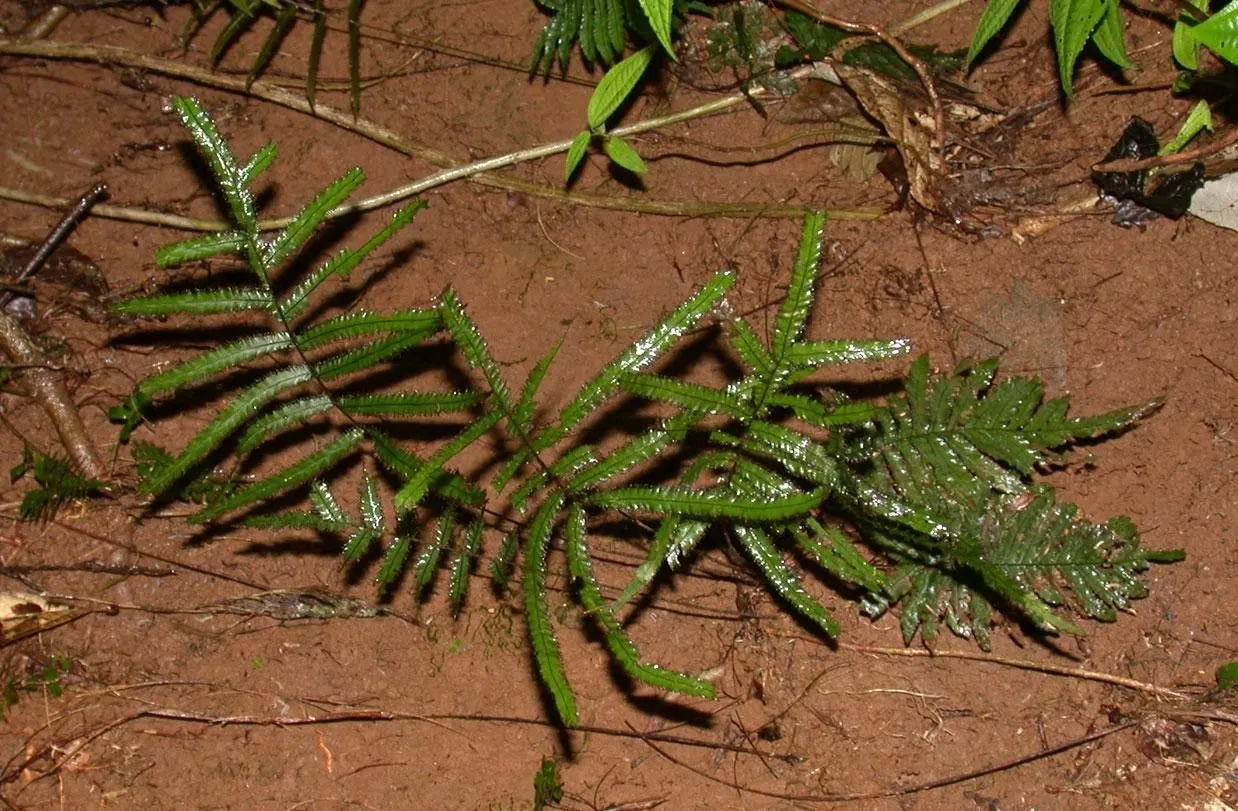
x: 481, y: 172
x: 1023, y: 664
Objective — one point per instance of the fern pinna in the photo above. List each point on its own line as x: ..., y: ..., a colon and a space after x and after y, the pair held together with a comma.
x: 938, y: 481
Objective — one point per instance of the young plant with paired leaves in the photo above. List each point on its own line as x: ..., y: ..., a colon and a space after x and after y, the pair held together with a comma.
x: 937, y: 481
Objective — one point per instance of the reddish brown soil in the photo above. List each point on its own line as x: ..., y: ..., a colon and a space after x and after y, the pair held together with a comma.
x: 1112, y: 315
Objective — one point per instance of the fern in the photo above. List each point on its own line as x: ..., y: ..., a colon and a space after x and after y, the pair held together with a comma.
x: 600, y: 28
x: 56, y: 483
x: 938, y: 481
x: 244, y: 15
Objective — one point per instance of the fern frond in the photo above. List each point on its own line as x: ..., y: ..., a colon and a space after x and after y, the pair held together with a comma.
x: 785, y: 583
x: 408, y: 403
x: 427, y: 559
x: 367, y: 356
x: 646, y: 350
x: 284, y: 18
x: 293, y: 236
x: 422, y: 323
x: 687, y: 396
x: 211, y: 363
x: 226, y: 421
x: 56, y: 480
x: 197, y: 302
x: 420, y: 483
x: 1047, y: 558
x: 466, y: 335
x: 298, y: 473
x: 203, y: 247
x: 537, y: 612
x: 705, y: 504
x: 233, y: 183
x: 617, y: 640
x: 290, y: 415
x: 325, y: 503
x: 462, y: 565
x: 344, y: 262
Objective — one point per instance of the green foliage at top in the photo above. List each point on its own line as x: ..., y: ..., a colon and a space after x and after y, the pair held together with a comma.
x: 1075, y: 23
x: 244, y: 16
x: 939, y: 480
x: 601, y: 28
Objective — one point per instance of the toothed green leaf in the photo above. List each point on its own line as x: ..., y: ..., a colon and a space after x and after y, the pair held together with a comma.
x: 617, y: 640
x: 616, y: 86
x: 225, y: 422
x: 993, y: 19
x: 537, y: 612
x: 292, y: 414
x: 704, y: 505
x: 209, y: 364
x: 757, y: 544
x: 292, y: 237
x: 197, y: 302
x: 300, y: 472
x: 197, y: 248
x: 646, y: 350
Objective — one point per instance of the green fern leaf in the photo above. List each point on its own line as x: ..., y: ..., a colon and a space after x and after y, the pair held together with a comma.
x: 209, y: 364
x: 408, y: 404
x: 820, y: 353
x: 640, y: 449
x: 830, y: 548
x: 462, y: 565
x: 325, y: 504
x: 418, y: 485
x: 688, y: 396
x: 394, y: 558
x: 427, y: 560
x: 197, y: 302
x: 705, y: 504
x: 225, y: 422
x: 422, y: 323
x: 524, y: 416
x: 617, y: 640
x: 748, y: 346
x: 300, y: 472
x: 290, y: 415
x: 466, y: 335
x: 757, y: 544
x: 501, y: 564
x: 232, y: 181
x: 570, y: 462
x: 370, y: 506
x: 258, y: 163
x: 367, y: 356
x: 645, y: 351
x: 537, y: 612
x: 406, y: 465
x: 358, y: 544
x: 198, y: 248
x: 346, y: 261
x: 291, y: 238
x: 284, y: 19
x: 314, y: 60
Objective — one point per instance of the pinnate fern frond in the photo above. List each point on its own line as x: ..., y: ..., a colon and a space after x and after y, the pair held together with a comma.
x: 937, y: 481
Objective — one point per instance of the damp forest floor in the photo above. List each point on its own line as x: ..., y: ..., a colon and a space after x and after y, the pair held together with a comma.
x: 190, y: 688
